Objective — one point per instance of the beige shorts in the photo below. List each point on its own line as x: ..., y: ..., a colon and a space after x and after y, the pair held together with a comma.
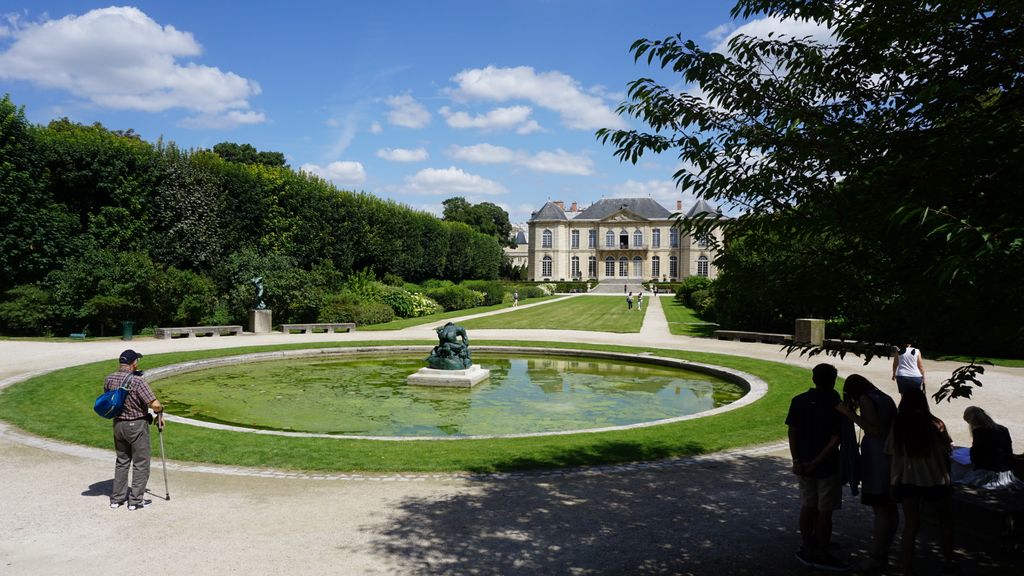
x: 821, y: 493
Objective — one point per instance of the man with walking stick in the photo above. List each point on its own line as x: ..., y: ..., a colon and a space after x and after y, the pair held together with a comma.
x: 131, y: 433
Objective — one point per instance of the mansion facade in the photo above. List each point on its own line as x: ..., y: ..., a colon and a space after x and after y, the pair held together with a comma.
x: 615, y: 239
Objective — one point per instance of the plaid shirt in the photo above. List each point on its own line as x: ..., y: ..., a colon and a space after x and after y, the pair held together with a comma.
x: 136, y: 405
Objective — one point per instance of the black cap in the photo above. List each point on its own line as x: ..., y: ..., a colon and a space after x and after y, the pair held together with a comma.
x: 129, y: 356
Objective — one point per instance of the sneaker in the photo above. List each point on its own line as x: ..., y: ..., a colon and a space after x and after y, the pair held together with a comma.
x: 804, y: 557
x: 830, y: 563
x: 116, y: 505
x: 140, y: 505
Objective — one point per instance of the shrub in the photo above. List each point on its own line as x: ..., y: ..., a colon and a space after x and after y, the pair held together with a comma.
x: 399, y: 300
x: 546, y: 288
x: 27, y: 310
x: 530, y: 292
x: 494, y: 291
x: 456, y: 297
x: 423, y: 306
x: 566, y: 287
x: 684, y: 294
x: 345, y: 307
x: 392, y: 279
x: 703, y: 304
x: 431, y: 284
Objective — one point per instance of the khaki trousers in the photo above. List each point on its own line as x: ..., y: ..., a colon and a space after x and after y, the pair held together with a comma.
x: 131, y: 442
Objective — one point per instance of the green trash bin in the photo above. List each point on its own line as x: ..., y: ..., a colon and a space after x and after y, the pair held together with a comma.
x: 126, y: 329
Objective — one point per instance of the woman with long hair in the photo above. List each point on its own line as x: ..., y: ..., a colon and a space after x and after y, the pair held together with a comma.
x: 920, y: 448
x: 991, y: 453
x: 874, y: 411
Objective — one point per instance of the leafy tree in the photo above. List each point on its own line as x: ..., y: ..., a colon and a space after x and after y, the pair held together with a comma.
x: 896, y: 146
x: 485, y: 217
x: 247, y: 154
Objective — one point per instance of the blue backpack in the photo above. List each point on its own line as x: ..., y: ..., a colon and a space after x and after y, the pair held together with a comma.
x: 111, y: 403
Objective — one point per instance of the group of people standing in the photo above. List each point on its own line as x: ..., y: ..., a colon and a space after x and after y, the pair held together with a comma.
x: 904, y: 460
x: 639, y: 301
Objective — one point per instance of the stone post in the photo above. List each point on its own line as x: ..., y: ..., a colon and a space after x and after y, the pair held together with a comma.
x: 260, y: 321
x: 809, y: 331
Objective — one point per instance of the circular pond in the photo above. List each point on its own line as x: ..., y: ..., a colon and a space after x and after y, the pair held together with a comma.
x: 367, y: 396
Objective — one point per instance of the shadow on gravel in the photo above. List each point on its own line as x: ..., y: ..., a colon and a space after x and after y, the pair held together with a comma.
x: 103, y: 488
x: 729, y: 517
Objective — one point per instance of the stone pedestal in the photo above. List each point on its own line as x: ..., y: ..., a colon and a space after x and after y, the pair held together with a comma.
x: 809, y: 331
x: 453, y: 378
x: 260, y: 321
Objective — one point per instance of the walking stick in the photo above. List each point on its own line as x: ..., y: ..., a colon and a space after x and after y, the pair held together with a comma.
x: 164, y: 460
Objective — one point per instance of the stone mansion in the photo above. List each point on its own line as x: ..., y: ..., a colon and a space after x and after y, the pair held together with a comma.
x: 615, y: 239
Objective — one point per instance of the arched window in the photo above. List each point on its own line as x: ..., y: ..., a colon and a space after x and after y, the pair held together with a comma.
x: 623, y: 239
x: 656, y: 239
x: 673, y: 267
x: 609, y: 239
x: 623, y: 266
x: 655, y: 266
x: 545, y: 267
x: 545, y: 239
x: 673, y: 237
x: 592, y: 267
x: 609, y: 267
x: 638, y: 238
x: 702, y: 266
x: 575, y: 239
x: 638, y: 267
x: 575, y: 266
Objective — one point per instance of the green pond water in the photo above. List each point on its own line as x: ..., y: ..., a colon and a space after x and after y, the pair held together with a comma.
x: 369, y: 396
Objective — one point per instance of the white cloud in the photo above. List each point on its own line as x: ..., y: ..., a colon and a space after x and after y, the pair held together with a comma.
x: 556, y: 162
x: 342, y: 173
x: 376, y: 128
x: 529, y: 128
x: 499, y: 118
x: 762, y: 27
x: 403, y: 154
x: 407, y: 112
x: 120, y: 58
x: 551, y: 90
x: 451, y: 182
x: 718, y: 33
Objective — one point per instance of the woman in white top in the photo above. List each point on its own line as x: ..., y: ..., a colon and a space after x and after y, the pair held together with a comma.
x: 908, y: 369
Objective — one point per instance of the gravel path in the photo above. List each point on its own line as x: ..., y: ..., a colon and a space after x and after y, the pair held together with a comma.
x: 730, y: 513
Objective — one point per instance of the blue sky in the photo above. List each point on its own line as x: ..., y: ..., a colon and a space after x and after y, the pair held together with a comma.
x: 495, y: 101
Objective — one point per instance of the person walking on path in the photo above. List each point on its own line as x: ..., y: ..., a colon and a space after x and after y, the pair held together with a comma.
x: 640, y: 301
x: 814, y: 426
x: 629, y: 301
x: 131, y: 432
x: 908, y: 369
x: 515, y: 298
x: 874, y: 411
x: 920, y: 447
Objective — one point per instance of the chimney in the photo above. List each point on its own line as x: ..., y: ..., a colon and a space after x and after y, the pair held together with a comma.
x: 560, y: 204
x: 679, y: 205
x: 573, y: 208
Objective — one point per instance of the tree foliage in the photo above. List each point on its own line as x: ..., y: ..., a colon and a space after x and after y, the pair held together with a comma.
x: 98, y: 226
x: 484, y: 217
x: 877, y: 171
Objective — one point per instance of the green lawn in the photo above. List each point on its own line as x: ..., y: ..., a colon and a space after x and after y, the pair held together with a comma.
x: 400, y: 323
x: 682, y: 321
x: 596, y: 313
x: 59, y: 405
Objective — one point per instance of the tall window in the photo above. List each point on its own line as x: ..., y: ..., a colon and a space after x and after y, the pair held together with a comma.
x: 638, y: 267
x: 623, y: 239
x: 575, y: 266
x: 592, y: 238
x: 673, y: 267
x: 592, y: 267
x: 702, y: 266
x: 609, y: 239
x: 656, y: 239
x: 638, y: 238
x: 575, y: 239
x: 545, y: 239
x: 609, y: 267
x: 545, y: 267
x: 673, y: 237
x: 623, y: 266
x: 655, y: 266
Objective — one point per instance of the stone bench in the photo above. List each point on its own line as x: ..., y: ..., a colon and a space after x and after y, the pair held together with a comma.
x: 193, y: 331
x: 743, y: 336
x: 328, y: 327
x: 77, y: 335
